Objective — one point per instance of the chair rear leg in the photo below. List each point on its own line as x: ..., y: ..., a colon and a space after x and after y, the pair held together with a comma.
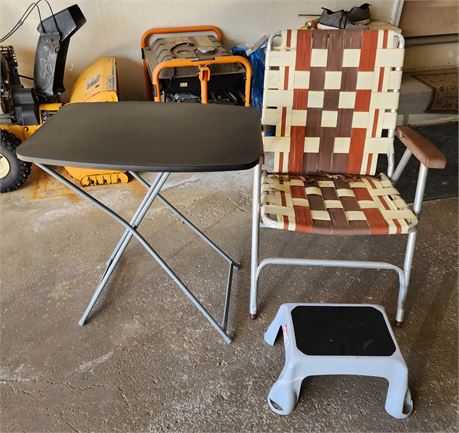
x: 407, y: 272
x: 254, y: 266
x: 255, y: 241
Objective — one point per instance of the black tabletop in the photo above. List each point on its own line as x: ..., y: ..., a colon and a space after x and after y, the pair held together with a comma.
x: 148, y: 136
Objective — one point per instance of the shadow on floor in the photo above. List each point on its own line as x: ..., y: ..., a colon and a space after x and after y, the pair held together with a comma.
x: 440, y: 183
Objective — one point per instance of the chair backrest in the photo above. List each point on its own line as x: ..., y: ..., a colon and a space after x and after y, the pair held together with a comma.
x: 332, y: 97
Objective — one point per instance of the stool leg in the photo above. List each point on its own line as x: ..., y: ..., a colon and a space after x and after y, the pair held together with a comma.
x: 283, y: 395
x: 272, y: 331
x: 398, y: 394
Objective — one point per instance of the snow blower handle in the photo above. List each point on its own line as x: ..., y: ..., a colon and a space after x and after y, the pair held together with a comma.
x: 51, y: 54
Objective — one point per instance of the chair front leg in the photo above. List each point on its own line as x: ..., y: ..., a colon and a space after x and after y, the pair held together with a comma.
x: 255, y: 240
x: 417, y: 206
x: 409, y: 253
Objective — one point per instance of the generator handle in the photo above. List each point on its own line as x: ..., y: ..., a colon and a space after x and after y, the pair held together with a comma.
x: 203, y: 64
x: 187, y: 29
x: 168, y: 30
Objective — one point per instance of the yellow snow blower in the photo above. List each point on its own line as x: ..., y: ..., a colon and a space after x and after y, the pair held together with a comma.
x: 23, y: 110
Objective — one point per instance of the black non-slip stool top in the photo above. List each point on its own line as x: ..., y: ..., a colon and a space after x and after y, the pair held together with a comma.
x: 147, y: 136
x: 341, y: 330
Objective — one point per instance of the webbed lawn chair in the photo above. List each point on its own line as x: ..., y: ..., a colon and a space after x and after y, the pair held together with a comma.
x: 329, y: 110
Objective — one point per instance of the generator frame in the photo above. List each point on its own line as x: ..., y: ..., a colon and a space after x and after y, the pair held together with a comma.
x: 203, y: 66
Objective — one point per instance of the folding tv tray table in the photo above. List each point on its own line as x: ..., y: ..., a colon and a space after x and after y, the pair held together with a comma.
x: 147, y: 137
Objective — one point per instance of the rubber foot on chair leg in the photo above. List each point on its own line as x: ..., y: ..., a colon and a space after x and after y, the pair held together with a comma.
x: 398, y: 324
x: 253, y: 316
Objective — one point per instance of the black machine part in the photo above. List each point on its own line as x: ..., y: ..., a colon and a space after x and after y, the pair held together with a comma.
x: 9, y: 78
x: 18, y: 105
x: 51, y: 54
x: 25, y: 106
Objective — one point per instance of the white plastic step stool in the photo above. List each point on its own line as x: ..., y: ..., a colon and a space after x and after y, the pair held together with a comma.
x: 327, y: 339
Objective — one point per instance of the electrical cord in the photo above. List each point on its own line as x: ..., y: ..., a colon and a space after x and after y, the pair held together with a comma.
x: 25, y: 15
x: 21, y: 21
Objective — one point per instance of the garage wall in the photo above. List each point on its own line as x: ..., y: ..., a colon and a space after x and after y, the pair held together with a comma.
x: 431, y: 55
x: 114, y: 27
x: 431, y: 29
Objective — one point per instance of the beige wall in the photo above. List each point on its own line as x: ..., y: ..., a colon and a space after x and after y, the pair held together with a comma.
x: 114, y: 27
x: 432, y: 56
x: 441, y: 16
x: 436, y: 22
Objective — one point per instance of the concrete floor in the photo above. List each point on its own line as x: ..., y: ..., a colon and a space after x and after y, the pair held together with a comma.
x: 147, y: 361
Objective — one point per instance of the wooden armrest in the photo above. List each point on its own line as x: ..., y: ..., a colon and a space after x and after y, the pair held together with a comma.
x: 420, y: 147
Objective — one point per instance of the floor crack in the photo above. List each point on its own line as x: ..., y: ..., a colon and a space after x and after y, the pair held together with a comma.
x: 125, y: 400
x: 68, y: 423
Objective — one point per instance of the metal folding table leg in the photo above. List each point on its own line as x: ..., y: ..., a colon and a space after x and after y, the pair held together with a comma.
x: 146, y: 203
x: 186, y: 221
x: 126, y: 235
x: 123, y: 243
x: 232, y: 264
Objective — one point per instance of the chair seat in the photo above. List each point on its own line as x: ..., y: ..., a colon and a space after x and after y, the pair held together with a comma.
x: 334, y: 204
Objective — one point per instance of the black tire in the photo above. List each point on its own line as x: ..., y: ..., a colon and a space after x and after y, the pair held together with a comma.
x: 13, y: 171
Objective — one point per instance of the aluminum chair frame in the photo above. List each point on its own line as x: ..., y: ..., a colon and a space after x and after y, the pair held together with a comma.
x: 403, y: 273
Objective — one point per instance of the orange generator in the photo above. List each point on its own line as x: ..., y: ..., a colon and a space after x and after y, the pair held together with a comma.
x: 190, y: 64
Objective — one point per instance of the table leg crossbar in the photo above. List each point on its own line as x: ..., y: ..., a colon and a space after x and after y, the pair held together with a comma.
x: 131, y: 230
